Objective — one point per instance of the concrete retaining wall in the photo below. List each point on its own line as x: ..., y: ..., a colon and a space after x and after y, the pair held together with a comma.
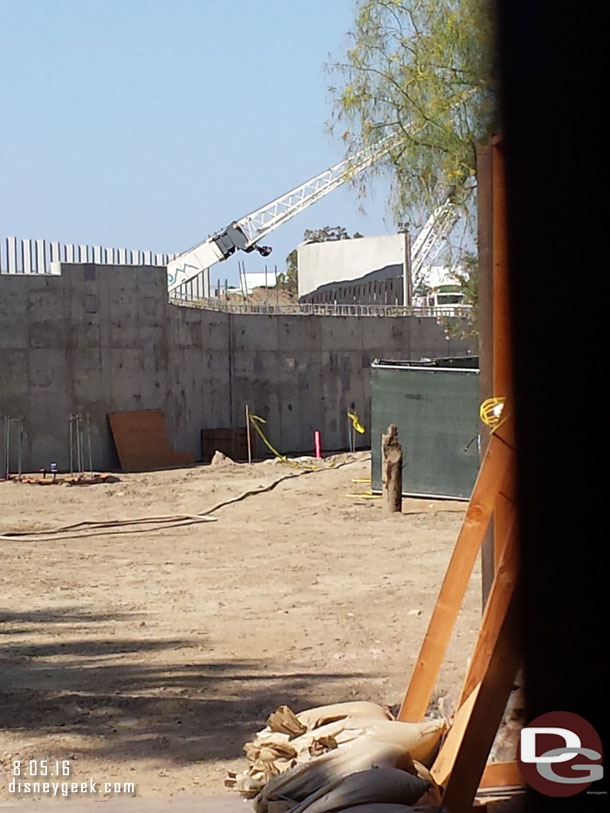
x: 101, y: 339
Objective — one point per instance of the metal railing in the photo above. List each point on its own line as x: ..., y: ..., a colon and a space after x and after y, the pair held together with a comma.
x: 309, y: 309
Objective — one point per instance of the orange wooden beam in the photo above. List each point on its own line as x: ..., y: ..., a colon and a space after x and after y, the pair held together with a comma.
x: 502, y: 374
x: 491, y: 477
x: 501, y: 775
x: 486, y: 716
x: 501, y: 594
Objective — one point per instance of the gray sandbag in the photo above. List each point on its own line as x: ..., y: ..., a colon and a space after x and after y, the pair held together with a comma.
x: 389, y: 785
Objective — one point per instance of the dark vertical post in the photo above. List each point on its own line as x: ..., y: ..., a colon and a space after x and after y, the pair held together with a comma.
x: 407, y: 282
x: 502, y: 364
x: 248, y: 434
x: 266, y: 287
x: 485, y: 329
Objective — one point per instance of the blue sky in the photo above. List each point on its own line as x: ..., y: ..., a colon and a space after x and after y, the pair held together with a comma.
x: 152, y: 123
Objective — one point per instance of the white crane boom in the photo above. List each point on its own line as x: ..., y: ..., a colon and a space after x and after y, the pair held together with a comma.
x: 428, y: 242
x: 269, y: 217
x: 244, y: 234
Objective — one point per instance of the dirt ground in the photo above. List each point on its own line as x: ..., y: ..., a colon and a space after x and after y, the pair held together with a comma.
x: 151, y: 657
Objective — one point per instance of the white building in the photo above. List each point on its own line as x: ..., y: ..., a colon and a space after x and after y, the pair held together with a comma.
x: 362, y: 269
x: 258, y: 279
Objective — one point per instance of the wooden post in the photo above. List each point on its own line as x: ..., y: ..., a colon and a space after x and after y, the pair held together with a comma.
x: 480, y: 510
x: 502, y: 372
x: 486, y: 715
x: 485, y: 326
x: 496, y: 612
x: 500, y: 596
x: 391, y: 471
x: 502, y: 363
x: 248, y: 434
x: 460, y: 763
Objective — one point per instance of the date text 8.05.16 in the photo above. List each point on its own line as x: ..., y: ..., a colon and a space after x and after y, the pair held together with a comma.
x: 41, y: 767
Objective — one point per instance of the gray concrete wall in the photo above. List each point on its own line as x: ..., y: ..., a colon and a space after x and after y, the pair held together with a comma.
x: 101, y: 339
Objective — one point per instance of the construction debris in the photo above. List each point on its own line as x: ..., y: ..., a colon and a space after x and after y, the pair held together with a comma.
x: 333, y: 757
x: 66, y: 480
x: 221, y: 459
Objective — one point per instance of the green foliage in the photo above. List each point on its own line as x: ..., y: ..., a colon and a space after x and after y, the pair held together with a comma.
x: 420, y: 71
x: 288, y: 279
x: 423, y: 73
x: 467, y: 278
x: 327, y: 233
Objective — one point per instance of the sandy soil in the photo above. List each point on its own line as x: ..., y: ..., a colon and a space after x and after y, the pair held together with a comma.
x: 150, y: 657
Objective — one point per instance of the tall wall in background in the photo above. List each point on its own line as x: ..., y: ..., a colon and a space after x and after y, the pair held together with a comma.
x: 375, y: 288
x: 343, y: 261
x: 100, y: 339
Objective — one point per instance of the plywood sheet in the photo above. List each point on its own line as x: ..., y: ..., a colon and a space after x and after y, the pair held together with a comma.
x: 141, y: 441
x: 232, y: 442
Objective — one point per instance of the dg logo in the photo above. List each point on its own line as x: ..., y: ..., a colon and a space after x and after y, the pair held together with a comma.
x: 560, y: 754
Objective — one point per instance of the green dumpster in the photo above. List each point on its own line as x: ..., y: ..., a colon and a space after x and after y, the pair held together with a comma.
x: 435, y: 405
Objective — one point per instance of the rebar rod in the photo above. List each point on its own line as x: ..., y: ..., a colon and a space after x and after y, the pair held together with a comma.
x: 89, y: 445
x: 71, y: 449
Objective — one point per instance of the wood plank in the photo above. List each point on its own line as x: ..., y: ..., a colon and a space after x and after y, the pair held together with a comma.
x: 486, y: 715
x: 501, y: 775
x: 141, y: 441
x: 503, y: 513
x: 485, y: 278
x: 502, y: 356
x: 232, y: 442
x: 485, y: 320
x: 494, y: 617
x: 491, y: 476
x: 446, y: 757
x: 501, y: 594
x: 182, y: 459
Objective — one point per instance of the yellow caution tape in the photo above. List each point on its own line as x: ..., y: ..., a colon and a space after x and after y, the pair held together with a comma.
x: 361, y: 480
x: 256, y: 420
x: 356, y: 423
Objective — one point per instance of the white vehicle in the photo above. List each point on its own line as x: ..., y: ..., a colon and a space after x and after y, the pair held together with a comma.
x: 445, y: 300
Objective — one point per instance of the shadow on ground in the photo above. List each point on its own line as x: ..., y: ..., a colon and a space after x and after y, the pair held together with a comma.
x: 115, y: 707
